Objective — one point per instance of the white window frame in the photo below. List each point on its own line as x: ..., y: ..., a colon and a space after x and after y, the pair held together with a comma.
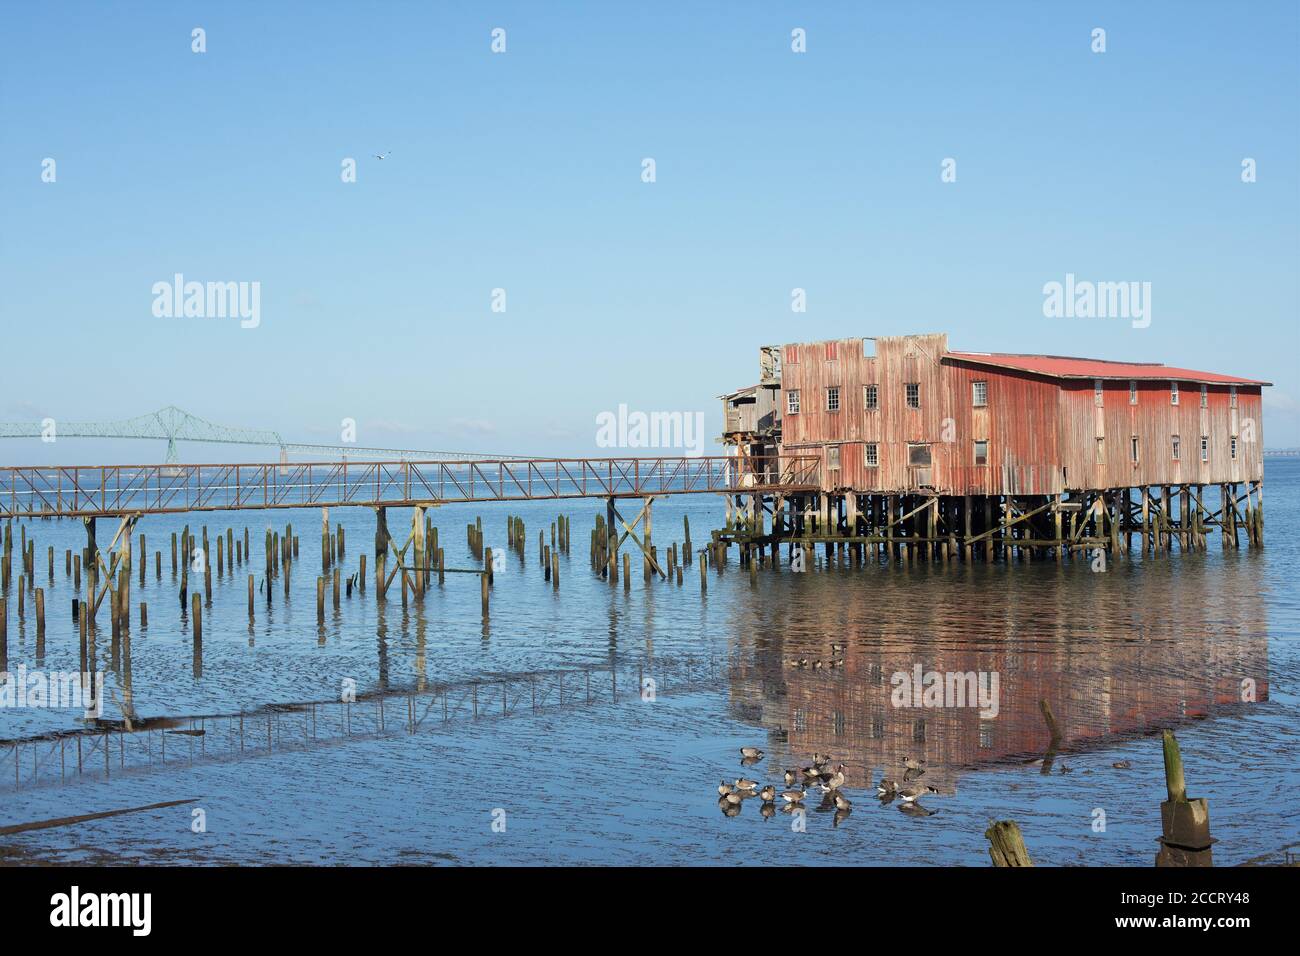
x: 980, y: 394
x: 1205, y: 396
x: 1132, y: 391
x: 1097, y: 392
x: 1205, y: 448
x: 1176, y: 442
x: 908, y: 387
x: 832, y: 391
x: 975, y: 453
x: 1173, y: 393
x: 870, y: 455
x: 792, y: 402
x: 871, y: 396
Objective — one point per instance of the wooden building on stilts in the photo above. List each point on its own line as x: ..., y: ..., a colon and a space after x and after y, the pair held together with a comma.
x: 933, y: 455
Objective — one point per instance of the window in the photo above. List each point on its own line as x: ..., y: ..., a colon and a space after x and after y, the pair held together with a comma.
x: 918, y: 455
x: 1132, y: 391
x: 1173, y: 393
x: 981, y: 452
x: 833, y: 398
x: 831, y: 353
x: 1205, y: 397
x: 1177, y: 447
x: 1205, y: 448
x: 1232, y: 396
x: 913, y: 390
x: 1234, y: 448
x: 980, y: 394
x: 871, y: 454
x: 833, y: 457
x: 1101, y: 451
x: 791, y: 354
x: 1096, y: 392
x: 870, y: 397
x: 1134, y: 447
x: 792, y: 401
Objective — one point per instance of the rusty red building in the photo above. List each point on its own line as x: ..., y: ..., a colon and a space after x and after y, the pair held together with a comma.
x: 925, y: 451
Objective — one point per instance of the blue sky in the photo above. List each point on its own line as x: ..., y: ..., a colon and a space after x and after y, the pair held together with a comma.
x: 522, y: 171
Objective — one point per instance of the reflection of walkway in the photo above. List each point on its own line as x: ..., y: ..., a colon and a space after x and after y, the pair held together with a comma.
x: 155, y: 743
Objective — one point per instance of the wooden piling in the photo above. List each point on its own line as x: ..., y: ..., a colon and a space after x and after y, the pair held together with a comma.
x: 1006, y: 845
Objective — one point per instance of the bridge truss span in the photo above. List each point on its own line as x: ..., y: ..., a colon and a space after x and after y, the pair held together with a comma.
x: 100, y: 490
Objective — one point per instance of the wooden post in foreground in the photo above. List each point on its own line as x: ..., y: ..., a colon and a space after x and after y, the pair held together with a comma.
x: 1006, y: 845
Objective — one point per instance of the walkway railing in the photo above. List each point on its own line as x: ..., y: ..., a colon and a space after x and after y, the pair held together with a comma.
x: 86, y: 491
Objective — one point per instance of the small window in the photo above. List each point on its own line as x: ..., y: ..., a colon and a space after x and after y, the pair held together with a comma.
x: 833, y: 457
x: 1101, y: 451
x: 913, y: 390
x: 1177, y: 447
x: 981, y: 452
x: 833, y: 398
x: 1173, y: 393
x: 918, y: 455
x: 791, y: 355
x: 980, y: 394
x: 1132, y: 391
x: 1232, y: 396
x: 871, y: 454
x: 870, y: 397
x: 1096, y: 392
x: 831, y: 353
x: 1205, y: 397
x: 792, y: 401
x: 1234, y: 448
x: 1205, y: 448
x: 1133, y: 446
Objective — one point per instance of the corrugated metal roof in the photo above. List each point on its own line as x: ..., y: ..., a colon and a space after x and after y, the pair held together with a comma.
x: 1061, y: 366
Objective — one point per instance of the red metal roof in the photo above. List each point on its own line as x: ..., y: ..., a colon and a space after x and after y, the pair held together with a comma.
x: 1061, y: 366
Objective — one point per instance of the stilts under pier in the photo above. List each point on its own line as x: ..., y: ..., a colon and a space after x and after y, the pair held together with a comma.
x: 852, y: 529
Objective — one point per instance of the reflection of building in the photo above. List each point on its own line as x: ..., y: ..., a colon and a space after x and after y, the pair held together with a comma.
x: 1104, y: 671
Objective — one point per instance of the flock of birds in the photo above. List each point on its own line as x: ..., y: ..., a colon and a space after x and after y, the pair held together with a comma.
x: 828, y: 778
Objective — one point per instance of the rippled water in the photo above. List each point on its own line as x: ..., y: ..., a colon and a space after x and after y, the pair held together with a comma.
x: 606, y: 776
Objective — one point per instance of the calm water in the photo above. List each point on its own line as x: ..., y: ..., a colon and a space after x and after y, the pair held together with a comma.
x: 1148, y: 644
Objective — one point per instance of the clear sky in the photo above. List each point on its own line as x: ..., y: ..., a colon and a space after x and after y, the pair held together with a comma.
x: 523, y: 171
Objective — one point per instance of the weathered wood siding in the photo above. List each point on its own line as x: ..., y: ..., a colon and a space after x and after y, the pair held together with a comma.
x: 1154, y: 420
x: 1041, y: 430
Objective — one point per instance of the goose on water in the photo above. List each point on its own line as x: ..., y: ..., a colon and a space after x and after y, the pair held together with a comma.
x: 834, y: 780
x: 724, y: 788
x: 792, y: 796
x: 767, y: 794
x: 789, y: 778
x: 910, y: 794
x: 842, y: 802
x: 744, y: 784
x: 751, y: 753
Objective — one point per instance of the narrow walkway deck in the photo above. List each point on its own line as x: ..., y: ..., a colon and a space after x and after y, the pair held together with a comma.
x: 99, y: 490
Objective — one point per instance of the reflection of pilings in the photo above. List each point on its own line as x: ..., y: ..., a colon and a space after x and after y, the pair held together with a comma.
x: 113, y: 747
